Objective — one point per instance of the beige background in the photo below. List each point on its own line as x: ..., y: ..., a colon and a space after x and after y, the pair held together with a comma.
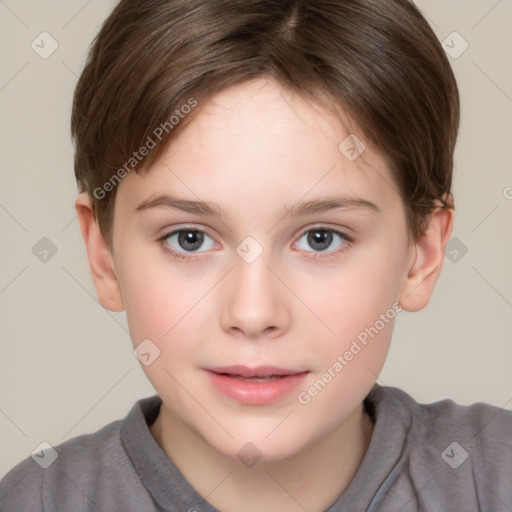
x: 66, y: 364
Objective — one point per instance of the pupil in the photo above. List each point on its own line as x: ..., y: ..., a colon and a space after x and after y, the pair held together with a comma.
x: 322, y: 237
x: 190, y: 237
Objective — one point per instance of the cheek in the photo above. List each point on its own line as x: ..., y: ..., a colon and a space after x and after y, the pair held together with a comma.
x: 150, y: 309
x: 354, y: 296
x: 358, y: 305
x: 159, y: 299
x: 348, y: 361
x: 165, y: 309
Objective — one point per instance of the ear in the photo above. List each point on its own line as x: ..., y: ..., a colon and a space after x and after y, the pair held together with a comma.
x: 99, y: 255
x: 427, y: 261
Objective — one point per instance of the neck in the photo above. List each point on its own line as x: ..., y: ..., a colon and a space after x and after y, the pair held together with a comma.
x: 312, y: 479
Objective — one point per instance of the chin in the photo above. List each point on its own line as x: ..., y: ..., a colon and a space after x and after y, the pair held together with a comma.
x: 252, y: 446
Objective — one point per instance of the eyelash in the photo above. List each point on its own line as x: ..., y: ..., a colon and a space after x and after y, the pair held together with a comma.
x: 193, y: 256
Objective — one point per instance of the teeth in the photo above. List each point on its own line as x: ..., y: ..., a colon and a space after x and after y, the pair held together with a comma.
x: 256, y: 379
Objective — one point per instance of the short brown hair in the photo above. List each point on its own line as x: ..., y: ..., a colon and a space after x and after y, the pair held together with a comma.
x: 378, y: 59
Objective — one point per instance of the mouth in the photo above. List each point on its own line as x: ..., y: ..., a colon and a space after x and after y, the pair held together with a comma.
x: 254, y: 378
x: 255, y: 385
x: 262, y: 373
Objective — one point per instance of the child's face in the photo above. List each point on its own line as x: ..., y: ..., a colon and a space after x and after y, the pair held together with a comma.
x: 254, y: 152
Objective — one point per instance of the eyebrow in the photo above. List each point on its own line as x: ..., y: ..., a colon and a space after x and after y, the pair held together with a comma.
x: 211, y: 209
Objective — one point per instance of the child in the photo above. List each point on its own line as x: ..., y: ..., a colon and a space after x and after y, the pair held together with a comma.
x: 254, y: 130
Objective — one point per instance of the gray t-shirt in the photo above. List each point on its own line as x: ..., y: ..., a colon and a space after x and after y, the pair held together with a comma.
x: 439, y: 457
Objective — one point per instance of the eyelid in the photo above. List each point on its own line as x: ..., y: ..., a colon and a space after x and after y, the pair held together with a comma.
x: 169, y: 232
x: 348, y: 241
x: 344, y: 230
x: 179, y: 255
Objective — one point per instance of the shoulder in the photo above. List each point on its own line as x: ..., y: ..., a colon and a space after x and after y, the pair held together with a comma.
x: 480, y: 420
x: 72, y: 463
x: 479, y: 434
x: 95, y: 470
x: 458, y: 454
x: 481, y: 425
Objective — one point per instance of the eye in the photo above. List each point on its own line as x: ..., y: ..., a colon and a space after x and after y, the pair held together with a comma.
x: 184, y: 243
x: 321, y: 238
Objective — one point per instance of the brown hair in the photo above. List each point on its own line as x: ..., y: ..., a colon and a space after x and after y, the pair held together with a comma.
x: 154, y: 60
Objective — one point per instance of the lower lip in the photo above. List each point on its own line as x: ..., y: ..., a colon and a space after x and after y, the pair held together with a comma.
x: 256, y: 393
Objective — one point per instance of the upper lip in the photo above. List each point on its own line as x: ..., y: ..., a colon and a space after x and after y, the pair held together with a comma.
x: 255, y: 371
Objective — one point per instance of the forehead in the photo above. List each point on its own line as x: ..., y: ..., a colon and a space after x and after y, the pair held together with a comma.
x: 259, y: 137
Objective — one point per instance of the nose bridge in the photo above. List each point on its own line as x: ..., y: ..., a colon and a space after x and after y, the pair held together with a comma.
x: 254, y: 277
x: 255, y: 302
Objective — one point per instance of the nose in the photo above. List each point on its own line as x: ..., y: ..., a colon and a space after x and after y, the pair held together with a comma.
x: 255, y: 301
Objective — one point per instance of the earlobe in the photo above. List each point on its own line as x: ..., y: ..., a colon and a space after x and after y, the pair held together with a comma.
x: 99, y: 255
x: 425, y: 269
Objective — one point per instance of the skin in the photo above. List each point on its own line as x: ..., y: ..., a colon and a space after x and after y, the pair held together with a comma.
x: 252, y: 150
